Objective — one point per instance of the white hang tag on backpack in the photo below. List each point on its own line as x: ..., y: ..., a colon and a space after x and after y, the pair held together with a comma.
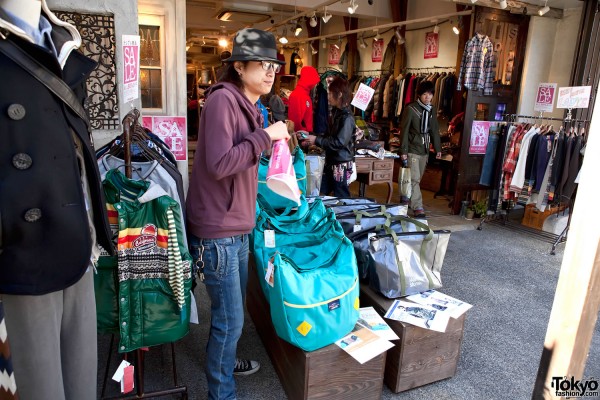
x: 270, y: 276
x: 357, y: 228
x: 270, y: 238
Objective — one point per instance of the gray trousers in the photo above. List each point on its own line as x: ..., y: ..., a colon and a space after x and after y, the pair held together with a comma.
x: 417, y: 165
x: 53, y: 342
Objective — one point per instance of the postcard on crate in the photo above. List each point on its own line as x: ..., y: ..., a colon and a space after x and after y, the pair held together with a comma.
x: 373, y: 321
x: 363, y: 345
x: 419, y: 315
x: 453, y: 307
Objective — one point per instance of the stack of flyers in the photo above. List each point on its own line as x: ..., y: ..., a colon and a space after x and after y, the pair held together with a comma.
x: 416, y: 314
x: 363, y: 345
x: 371, y: 320
x: 449, y: 305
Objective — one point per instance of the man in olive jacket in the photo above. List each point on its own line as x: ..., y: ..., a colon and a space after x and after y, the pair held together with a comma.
x: 52, y: 213
x: 419, y: 128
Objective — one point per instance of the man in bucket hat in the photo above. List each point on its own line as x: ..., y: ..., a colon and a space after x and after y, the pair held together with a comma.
x: 221, y: 199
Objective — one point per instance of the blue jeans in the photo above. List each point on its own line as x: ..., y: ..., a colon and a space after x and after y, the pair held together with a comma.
x: 225, y: 276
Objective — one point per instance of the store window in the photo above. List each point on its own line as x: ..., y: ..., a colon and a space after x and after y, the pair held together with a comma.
x: 151, y: 65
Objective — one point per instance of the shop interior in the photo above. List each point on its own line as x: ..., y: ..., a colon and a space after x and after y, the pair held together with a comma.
x: 533, y: 42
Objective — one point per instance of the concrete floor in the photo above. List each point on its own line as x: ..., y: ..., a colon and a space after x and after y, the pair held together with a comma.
x: 507, y: 276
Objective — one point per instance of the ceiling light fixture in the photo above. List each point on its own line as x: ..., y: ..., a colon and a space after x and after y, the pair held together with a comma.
x: 455, y: 30
x: 187, y: 46
x: 297, y: 29
x: 324, y: 43
x: 362, y: 44
x: 203, y: 41
x: 313, y: 20
x: 326, y: 17
x: 376, y: 34
x: 313, y: 50
x: 473, y: 1
x: 544, y: 10
x: 223, y: 42
x: 436, y: 29
x: 352, y: 7
x: 399, y: 37
x: 503, y: 4
x: 339, y: 43
x: 283, y: 39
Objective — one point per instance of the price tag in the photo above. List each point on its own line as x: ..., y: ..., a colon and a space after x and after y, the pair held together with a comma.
x: 357, y: 228
x: 270, y: 276
x: 270, y: 238
x: 127, y: 382
x: 118, y: 376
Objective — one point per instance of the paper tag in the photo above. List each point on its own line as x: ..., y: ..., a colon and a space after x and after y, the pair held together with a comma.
x: 270, y: 238
x: 270, y: 276
x: 357, y: 228
x: 127, y: 382
x: 370, y: 235
x: 374, y: 244
x: 118, y: 376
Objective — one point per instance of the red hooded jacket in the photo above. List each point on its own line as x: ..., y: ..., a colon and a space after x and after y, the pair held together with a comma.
x: 300, y: 108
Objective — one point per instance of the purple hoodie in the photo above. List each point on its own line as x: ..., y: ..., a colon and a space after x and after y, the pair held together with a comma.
x: 221, y: 198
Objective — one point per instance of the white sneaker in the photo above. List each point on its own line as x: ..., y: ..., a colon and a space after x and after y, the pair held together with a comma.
x: 245, y: 367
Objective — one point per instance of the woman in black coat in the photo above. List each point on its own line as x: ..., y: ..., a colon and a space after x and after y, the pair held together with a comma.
x: 338, y: 141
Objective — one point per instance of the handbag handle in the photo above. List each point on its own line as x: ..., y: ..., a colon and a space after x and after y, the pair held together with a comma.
x: 47, y: 78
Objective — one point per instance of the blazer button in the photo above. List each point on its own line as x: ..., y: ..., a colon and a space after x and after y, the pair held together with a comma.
x: 16, y: 112
x: 22, y: 161
x: 33, y: 214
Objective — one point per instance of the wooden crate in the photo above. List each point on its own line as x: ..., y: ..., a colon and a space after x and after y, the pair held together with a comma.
x: 327, y: 373
x: 421, y: 356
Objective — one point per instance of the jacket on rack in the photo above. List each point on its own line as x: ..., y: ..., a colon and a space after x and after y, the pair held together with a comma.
x: 228, y: 152
x: 150, y: 305
x: 300, y: 107
x: 338, y: 142
x: 412, y: 138
x: 48, y: 171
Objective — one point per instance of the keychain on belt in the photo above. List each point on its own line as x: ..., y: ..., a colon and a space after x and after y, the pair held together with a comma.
x: 200, y: 263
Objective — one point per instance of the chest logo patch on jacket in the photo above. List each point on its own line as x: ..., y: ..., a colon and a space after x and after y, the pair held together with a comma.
x: 307, y: 104
x: 147, y: 238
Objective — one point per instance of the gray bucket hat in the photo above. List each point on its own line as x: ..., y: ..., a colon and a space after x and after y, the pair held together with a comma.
x: 254, y: 45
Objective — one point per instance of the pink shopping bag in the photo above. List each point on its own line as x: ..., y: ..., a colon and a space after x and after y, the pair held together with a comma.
x: 281, y: 177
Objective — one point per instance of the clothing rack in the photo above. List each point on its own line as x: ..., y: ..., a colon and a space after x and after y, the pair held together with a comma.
x: 429, y: 68
x: 504, y: 214
x: 129, y: 123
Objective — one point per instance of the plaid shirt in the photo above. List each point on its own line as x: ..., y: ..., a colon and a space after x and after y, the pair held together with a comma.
x: 478, y: 66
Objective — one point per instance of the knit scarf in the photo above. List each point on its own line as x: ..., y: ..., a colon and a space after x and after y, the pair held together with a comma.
x: 425, y: 124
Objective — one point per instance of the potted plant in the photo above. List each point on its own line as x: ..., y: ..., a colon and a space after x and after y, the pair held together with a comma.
x: 480, y: 207
x: 470, y: 212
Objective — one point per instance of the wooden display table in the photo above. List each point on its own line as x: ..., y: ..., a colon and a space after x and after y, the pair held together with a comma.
x: 421, y: 356
x: 372, y: 170
x: 327, y: 373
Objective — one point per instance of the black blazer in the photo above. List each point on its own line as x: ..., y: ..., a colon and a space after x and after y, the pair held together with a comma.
x: 45, y: 240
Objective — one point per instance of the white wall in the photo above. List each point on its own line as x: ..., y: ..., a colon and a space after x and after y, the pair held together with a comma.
x: 548, y: 57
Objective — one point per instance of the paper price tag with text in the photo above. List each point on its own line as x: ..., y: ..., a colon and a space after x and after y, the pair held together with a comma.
x: 118, y: 376
x: 269, y: 276
x: 270, y: 238
x: 127, y: 383
x: 363, y: 97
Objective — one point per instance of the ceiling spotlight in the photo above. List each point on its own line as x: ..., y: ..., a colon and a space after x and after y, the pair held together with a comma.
x: 473, y: 1
x: 283, y: 39
x: 352, y: 7
x: 544, y: 10
x: 324, y: 43
x: 400, y: 39
x: 503, y: 4
x: 313, y: 50
x: 313, y: 20
x: 436, y: 29
x: 455, y: 30
x: 338, y: 44
x: 376, y: 34
x: 223, y: 42
x: 187, y: 47
x: 297, y: 29
x: 326, y: 17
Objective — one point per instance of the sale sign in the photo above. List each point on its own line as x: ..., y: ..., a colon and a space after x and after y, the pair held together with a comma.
x: 480, y: 131
x: 363, y: 96
x: 172, y: 131
x: 574, y: 97
x: 333, y: 57
x: 544, y: 100
x: 131, y: 67
x: 377, y: 53
x: 432, y: 45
